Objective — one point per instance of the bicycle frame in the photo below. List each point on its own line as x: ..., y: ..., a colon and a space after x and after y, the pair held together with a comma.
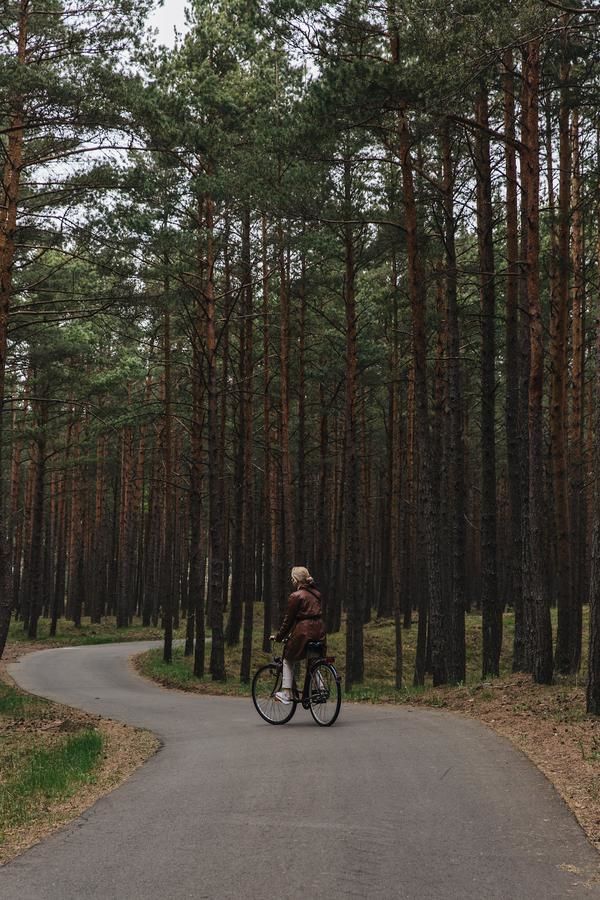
x: 312, y: 663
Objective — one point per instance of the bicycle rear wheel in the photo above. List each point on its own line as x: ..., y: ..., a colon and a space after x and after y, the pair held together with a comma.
x: 264, y: 684
x: 325, y: 694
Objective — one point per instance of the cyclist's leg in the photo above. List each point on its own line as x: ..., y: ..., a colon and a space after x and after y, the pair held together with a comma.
x: 288, y: 675
x: 287, y: 682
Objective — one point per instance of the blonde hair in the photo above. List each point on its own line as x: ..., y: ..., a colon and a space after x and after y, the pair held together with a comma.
x: 301, y: 575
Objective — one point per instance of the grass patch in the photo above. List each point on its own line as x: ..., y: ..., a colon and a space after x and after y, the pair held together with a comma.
x: 88, y: 633
x: 46, y: 752
x: 14, y: 703
x: 42, y: 775
x: 179, y: 674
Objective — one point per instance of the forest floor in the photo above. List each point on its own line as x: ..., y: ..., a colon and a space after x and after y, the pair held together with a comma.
x: 547, y: 723
x: 55, y: 761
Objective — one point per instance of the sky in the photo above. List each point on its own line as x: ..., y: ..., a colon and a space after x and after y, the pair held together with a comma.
x: 169, y: 15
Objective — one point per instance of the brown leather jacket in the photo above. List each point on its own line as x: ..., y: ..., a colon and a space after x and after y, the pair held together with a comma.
x: 302, y: 622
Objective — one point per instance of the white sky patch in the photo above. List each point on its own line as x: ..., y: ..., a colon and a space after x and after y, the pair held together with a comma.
x: 167, y: 19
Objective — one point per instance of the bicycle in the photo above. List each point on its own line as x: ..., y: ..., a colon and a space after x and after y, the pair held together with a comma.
x: 321, y: 694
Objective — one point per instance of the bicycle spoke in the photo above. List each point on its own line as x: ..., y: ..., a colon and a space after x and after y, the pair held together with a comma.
x: 266, y: 682
x: 325, y: 695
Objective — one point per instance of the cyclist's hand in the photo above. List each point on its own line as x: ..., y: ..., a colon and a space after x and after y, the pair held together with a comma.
x: 271, y: 637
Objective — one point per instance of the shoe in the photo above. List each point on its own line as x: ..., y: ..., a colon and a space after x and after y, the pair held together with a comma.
x: 283, y: 697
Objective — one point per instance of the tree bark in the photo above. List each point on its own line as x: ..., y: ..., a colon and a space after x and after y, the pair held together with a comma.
x: 542, y: 631
x: 352, y: 592
x: 37, y: 521
x: 593, y: 683
x: 248, y: 582
x: 513, y: 362
x: 11, y: 179
x: 558, y: 396
x: 457, y: 654
x: 168, y: 491
x: 576, y: 424
x: 490, y: 607
x: 216, y: 570
x: 284, y: 391
x: 268, y: 478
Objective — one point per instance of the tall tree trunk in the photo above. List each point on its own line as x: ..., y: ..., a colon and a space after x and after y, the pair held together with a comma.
x: 395, y: 471
x: 37, y: 521
x: 542, y: 647
x: 238, y: 500
x: 124, y: 530
x: 558, y: 397
x: 99, y: 531
x: 62, y: 541
x: 216, y: 571
x: 523, y: 640
x: 512, y: 360
x: 11, y: 178
x: 490, y: 606
x: 269, y: 503
x: 169, y: 505
x: 284, y: 381
x: 352, y: 593
x: 322, y: 542
x: 576, y: 424
x: 457, y: 654
x: 248, y: 583
x: 197, y: 553
x: 301, y: 554
x: 593, y: 684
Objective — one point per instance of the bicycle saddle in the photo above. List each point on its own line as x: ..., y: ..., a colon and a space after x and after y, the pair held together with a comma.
x: 315, y: 646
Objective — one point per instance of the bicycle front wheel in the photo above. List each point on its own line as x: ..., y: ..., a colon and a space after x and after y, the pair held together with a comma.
x: 325, y: 694
x: 264, y: 684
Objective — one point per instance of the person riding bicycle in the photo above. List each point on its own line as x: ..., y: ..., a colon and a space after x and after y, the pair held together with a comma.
x: 302, y: 623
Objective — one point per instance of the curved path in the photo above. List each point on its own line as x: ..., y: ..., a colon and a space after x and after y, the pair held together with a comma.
x: 389, y: 803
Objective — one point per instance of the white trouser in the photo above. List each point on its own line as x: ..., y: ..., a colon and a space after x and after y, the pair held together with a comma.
x: 287, y: 679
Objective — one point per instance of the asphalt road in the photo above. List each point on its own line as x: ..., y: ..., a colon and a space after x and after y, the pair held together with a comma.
x: 389, y: 803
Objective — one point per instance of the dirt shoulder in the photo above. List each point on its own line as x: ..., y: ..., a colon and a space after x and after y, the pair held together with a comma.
x: 124, y: 749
